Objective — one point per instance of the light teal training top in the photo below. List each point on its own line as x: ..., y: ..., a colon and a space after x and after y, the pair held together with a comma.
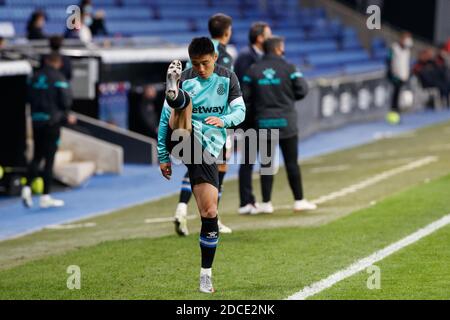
x: 220, y: 96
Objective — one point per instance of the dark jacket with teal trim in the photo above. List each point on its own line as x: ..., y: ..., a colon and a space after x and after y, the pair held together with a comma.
x: 50, y: 96
x: 224, y: 58
x: 270, y: 87
x: 247, y: 57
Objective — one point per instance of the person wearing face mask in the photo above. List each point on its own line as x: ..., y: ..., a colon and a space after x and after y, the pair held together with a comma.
x: 35, y: 26
x: 399, y: 70
x: 271, y: 87
x: 81, y: 30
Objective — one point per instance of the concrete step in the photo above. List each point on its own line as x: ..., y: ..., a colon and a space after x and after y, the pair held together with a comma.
x: 62, y: 157
x: 74, y: 173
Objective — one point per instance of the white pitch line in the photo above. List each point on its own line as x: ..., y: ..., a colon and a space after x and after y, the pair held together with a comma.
x: 71, y: 226
x: 167, y: 219
x: 369, y: 182
x: 375, y: 179
x: 366, y: 262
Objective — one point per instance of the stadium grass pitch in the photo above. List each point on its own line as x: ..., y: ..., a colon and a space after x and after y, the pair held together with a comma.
x: 267, y: 256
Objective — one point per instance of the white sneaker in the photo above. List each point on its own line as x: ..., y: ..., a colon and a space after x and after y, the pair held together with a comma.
x: 173, y: 79
x: 46, y: 201
x: 180, y: 220
x: 304, y: 205
x: 27, y: 199
x: 206, y: 285
x: 265, y: 207
x: 223, y: 228
x: 249, y: 209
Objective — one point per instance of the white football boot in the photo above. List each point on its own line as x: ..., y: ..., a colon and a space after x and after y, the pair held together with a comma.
x: 180, y: 220
x: 266, y: 207
x: 46, y: 201
x: 206, y: 285
x: 223, y: 228
x: 304, y: 205
x: 173, y: 79
x: 249, y: 209
x: 27, y: 199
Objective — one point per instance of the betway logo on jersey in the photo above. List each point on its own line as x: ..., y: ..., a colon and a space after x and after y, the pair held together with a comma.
x: 203, y: 109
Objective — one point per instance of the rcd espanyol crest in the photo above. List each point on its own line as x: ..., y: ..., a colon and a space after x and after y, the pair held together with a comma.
x: 221, y: 90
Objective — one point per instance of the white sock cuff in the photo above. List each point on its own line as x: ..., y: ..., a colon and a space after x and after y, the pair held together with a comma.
x: 207, y: 272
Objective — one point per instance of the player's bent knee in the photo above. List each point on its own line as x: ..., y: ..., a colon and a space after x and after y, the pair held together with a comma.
x: 209, y: 212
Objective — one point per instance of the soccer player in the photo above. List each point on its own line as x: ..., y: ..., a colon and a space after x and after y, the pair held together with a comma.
x: 271, y: 87
x: 220, y: 29
x: 201, y: 102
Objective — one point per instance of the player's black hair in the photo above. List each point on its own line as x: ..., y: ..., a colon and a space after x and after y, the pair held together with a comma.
x: 201, y: 46
x: 272, y: 43
x: 256, y: 30
x: 55, y: 42
x: 218, y: 24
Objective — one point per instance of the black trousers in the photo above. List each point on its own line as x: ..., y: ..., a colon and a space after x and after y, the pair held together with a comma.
x: 245, y: 177
x: 395, y: 104
x: 289, y: 150
x: 46, y: 138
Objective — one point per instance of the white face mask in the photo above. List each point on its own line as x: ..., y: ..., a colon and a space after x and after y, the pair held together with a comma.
x: 408, y: 42
x: 88, y: 21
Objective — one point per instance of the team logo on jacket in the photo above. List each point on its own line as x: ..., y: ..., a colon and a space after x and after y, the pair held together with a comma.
x: 221, y: 90
x: 269, y: 73
x: 269, y: 78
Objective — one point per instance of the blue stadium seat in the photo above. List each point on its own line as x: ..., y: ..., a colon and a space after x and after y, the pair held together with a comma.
x: 336, y: 58
x: 307, y: 47
x: 361, y: 67
x: 324, y: 44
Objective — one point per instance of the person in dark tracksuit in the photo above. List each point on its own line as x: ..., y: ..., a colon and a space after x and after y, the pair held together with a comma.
x: 50, y: 101
x: 271, y: 87
x: 258, y: 33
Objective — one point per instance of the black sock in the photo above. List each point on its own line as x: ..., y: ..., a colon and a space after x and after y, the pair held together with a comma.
x: 209, y: 236
x: 181, y: 101
x: 221, y: 177
x: 186, y: 190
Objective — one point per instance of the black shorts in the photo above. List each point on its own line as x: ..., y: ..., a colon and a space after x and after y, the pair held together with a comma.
x: 205, y: 172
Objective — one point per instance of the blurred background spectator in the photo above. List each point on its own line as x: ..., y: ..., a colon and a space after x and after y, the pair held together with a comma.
x: 98, y: 26
x: 148, y: 111
x: 432, y: 72
x: 35, y: 26
x: 399, y: 72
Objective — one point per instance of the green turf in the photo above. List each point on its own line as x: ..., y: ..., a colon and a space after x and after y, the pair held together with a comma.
x: 250, y: 264
x: 353, y: 165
